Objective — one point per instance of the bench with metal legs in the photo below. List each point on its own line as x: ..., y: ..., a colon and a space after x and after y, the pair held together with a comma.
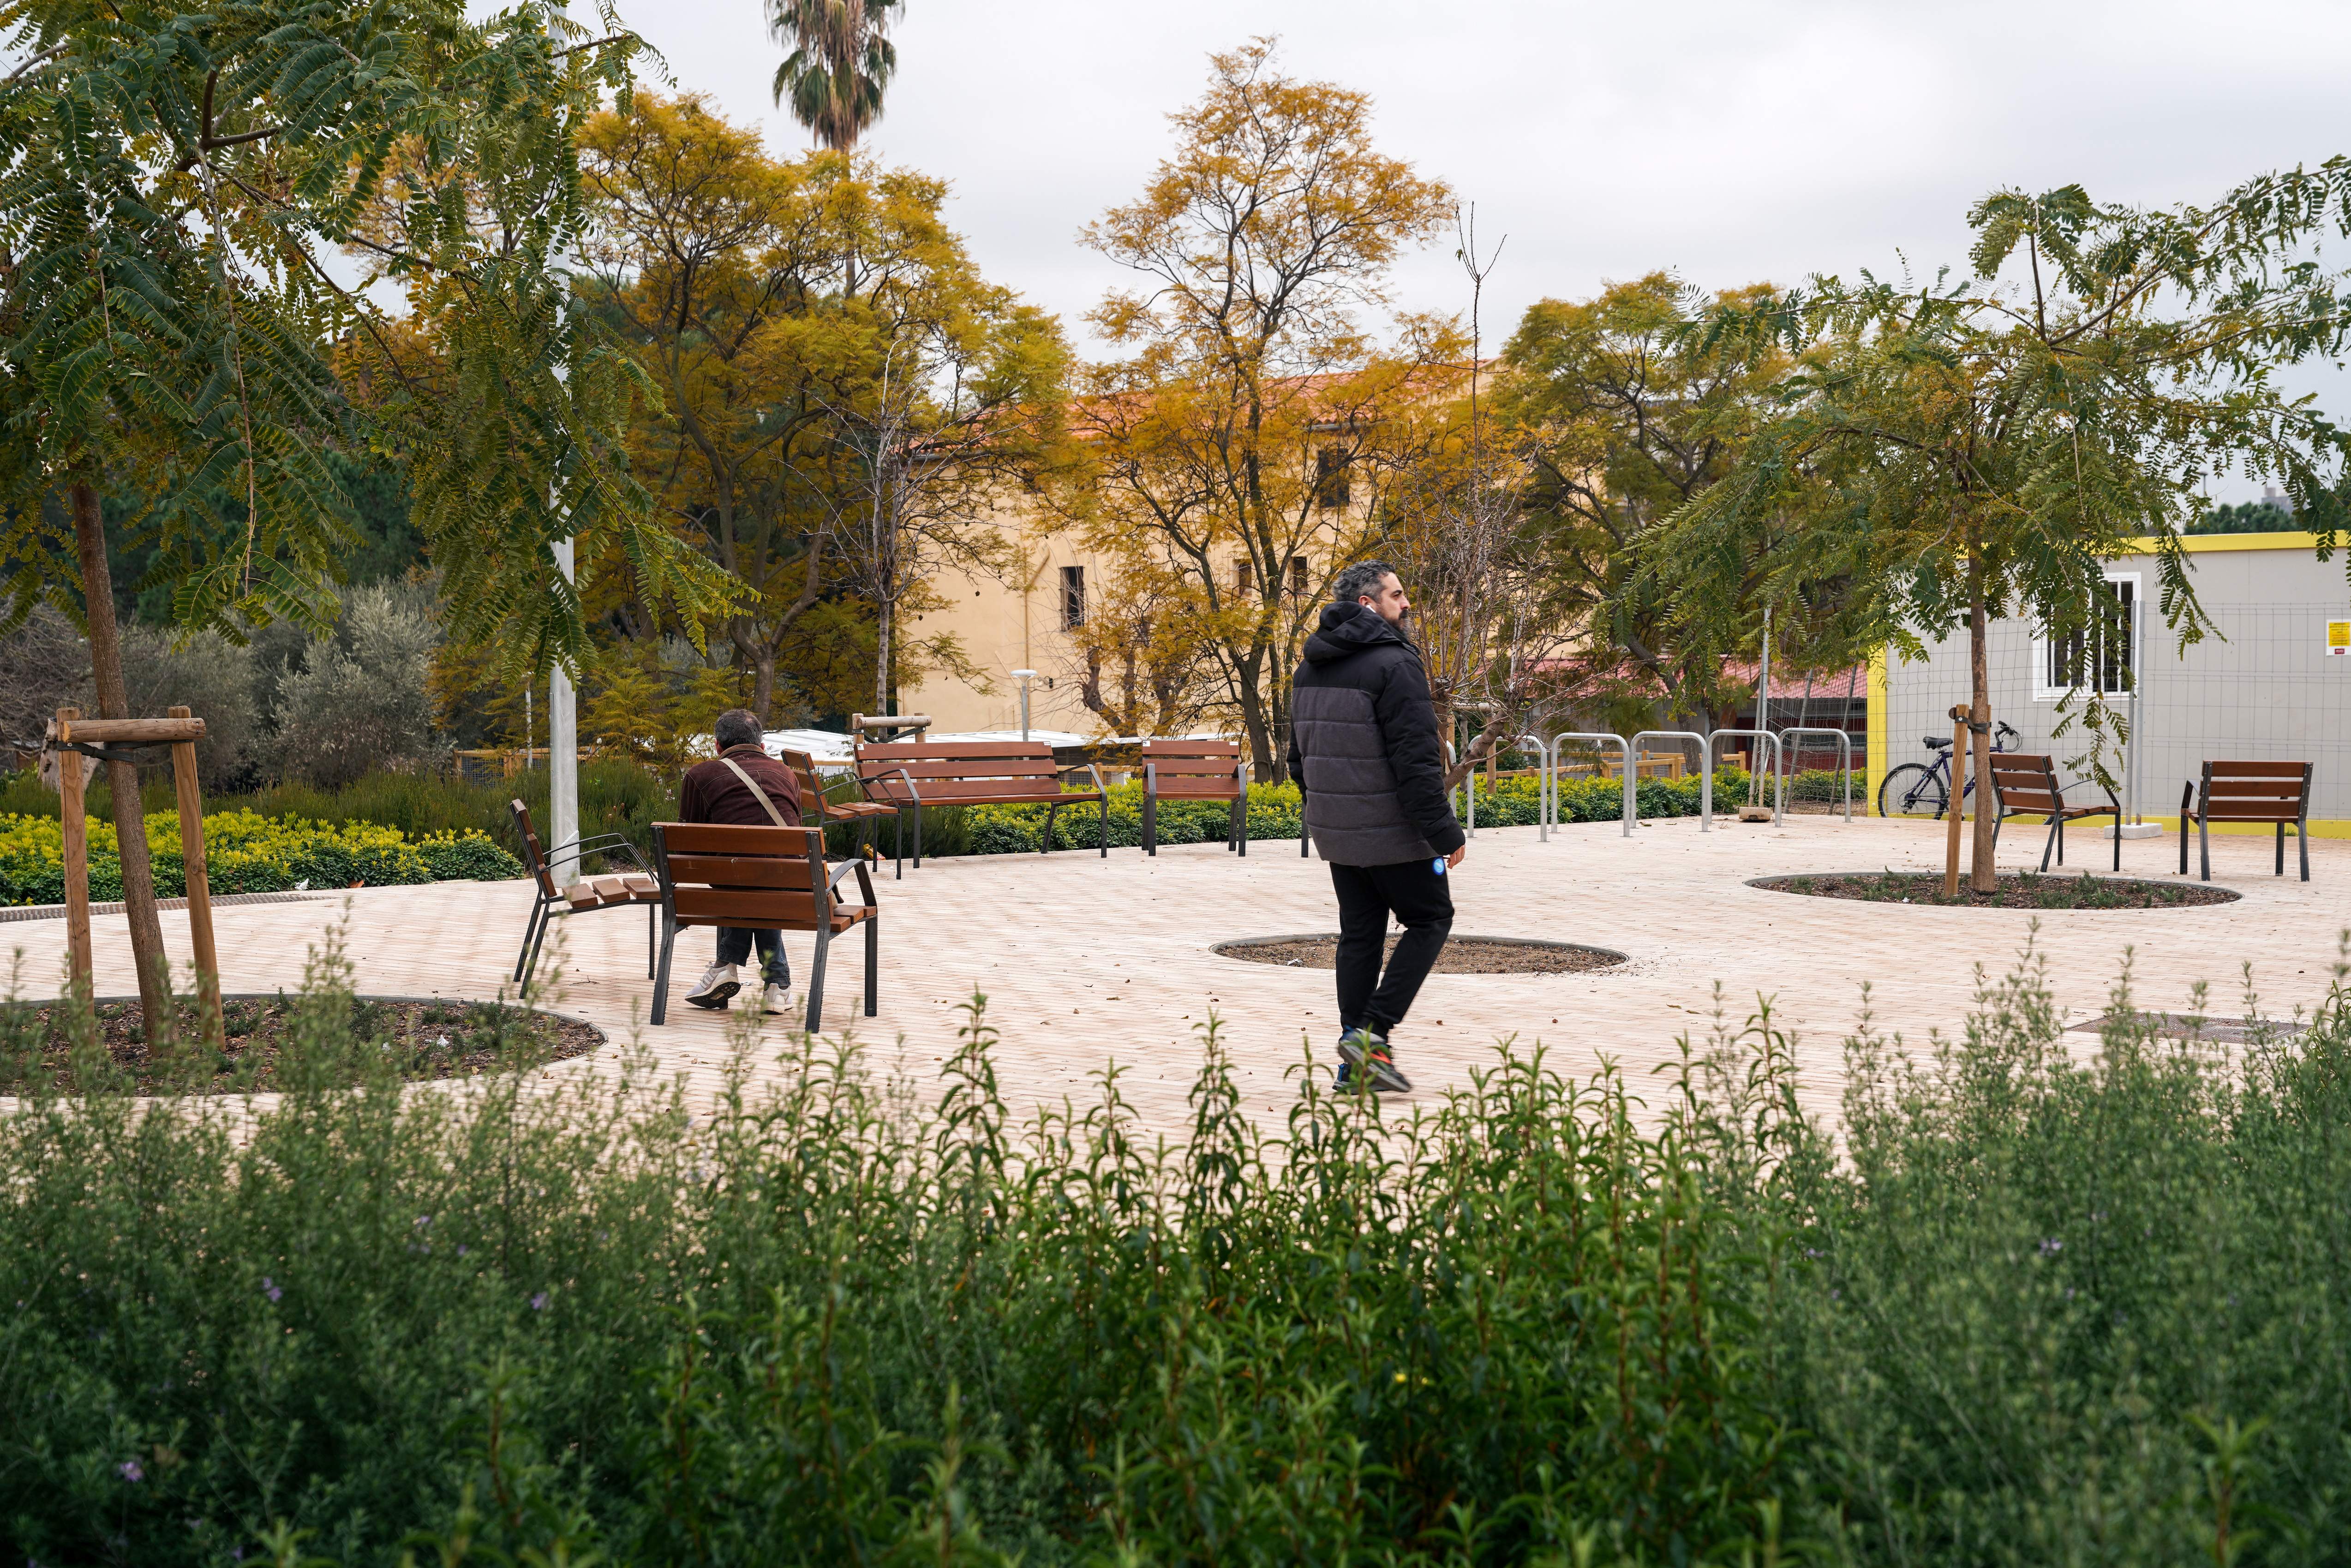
x: 761, y: 878
x: 2023, y: 784
x: 631, y: 888
x: 1194, y: 770
x: 2274, y: 793
x: 907, y: 775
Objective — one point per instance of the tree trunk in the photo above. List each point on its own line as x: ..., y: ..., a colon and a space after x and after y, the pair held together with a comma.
x: 122, y: 779
x: 763, y: 684
x: 882, y: 682
x: 1981, y: 873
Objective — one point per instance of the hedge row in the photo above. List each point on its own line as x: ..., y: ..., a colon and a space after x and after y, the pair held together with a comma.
x: 246, y: 852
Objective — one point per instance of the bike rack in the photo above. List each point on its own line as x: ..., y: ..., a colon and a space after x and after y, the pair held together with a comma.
x: 1771, y: 768
x: 1705, y: 772
x: 1543, y: 786
x: 1787, y: 764
x: 1557, y: 749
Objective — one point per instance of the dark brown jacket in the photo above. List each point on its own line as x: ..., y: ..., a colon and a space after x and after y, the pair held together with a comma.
x: 711, y: 792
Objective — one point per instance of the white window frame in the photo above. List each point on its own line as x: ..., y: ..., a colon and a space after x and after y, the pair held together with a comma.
x: 2043, y: 690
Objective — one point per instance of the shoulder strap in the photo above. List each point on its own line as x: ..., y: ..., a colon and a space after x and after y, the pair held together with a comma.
x: 757, y: 794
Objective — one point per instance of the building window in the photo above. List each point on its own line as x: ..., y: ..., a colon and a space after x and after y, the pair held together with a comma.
x: 1245, y: 577
x: 1074, y: 597
x: 1297, y: 577
x: 1330, y: 477
x: 2102, y: 654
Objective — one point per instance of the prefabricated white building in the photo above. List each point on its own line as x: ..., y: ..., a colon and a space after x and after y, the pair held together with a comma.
x: 2272, y: 685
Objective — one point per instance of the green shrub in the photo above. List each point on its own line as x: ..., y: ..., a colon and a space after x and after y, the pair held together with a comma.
x: 2028, y: 1308
x: 245, y: 853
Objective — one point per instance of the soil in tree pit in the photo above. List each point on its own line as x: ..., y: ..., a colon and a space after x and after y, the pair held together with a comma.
x: 2014, y: 891
x: 288, y: 1041
x: 1462, y: 955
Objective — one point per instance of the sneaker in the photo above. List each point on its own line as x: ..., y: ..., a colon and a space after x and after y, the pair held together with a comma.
x: 775, y: 999
x: 1368, y: 1054
x: 716, y: 987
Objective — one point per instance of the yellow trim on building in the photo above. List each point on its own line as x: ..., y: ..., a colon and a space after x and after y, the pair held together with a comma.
x: 2199, y: 544
x: 1876, y: 759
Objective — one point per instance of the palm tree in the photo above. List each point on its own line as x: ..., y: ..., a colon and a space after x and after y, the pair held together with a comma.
x: 841, y: 59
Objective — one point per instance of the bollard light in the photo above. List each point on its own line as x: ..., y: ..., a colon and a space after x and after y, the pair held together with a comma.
x: 1024, y: 677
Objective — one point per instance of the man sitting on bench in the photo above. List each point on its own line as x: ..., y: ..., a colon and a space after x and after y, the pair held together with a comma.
x: 744, y: 787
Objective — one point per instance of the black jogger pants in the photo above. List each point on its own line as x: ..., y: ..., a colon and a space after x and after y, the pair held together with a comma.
x: 1423, y: 902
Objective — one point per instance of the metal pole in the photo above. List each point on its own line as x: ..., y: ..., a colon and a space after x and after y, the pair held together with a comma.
x: 563, y: 749
x: 2130, y: 756
x: 1024, y: 677
x: 1763, y: 695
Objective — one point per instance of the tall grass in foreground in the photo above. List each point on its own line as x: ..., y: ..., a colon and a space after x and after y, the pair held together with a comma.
x: 2029, y: 1310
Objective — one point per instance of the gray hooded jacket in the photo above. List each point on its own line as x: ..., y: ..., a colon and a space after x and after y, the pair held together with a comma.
x: 1364, y: 745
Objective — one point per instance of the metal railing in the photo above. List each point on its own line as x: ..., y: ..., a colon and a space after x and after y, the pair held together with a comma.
x: 1559, y: 753
x: 1705, y: 773
x: 1788, y: 760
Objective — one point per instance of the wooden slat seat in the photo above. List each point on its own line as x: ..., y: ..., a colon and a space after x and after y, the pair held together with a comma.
x: 2026, y: 784
x: 907, y: 775
x: 1194, y: 770
x: 761, y: 878
x: 621, y: 890
x: 816, y: 803
x: 2274, y: 793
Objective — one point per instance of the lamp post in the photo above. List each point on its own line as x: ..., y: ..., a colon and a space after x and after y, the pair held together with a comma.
x: 1024, y: 677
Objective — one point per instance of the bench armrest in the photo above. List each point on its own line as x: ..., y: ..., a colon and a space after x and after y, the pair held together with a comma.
x: 866, y: 782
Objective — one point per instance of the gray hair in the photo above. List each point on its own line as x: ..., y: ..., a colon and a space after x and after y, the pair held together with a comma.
x: 737, y: 727
x: 1361, y: 578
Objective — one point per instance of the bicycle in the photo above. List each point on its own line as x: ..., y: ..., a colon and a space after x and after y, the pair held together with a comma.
x: 1919, y: 789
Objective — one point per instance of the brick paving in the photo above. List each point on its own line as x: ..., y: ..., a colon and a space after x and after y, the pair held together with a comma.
x: 1084, y: 961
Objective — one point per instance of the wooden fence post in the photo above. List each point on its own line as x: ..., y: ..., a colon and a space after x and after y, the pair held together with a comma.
x: 200, y: 893
x: 1951, y: 812
x: 75, y: 821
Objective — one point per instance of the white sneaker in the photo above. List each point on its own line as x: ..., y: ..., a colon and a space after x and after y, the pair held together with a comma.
x: 777, y: 1000
x: 716, y: 987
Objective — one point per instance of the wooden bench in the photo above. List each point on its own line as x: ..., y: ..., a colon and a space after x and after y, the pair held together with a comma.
x: 2276, y: 793
x: 764, y: 879
x: 2023, y: 784
x: 818, y: 805
x: 907, y: 775
x: 1194, y: 770
x: 632, y: 888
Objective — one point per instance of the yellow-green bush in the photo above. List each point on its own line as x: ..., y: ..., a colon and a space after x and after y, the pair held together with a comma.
x: 245, y: 853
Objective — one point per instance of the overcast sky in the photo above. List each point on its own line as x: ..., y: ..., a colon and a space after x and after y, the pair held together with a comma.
x: 1729, y: 141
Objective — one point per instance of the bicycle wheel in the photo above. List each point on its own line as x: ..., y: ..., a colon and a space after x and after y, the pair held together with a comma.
x: 1913, y: 789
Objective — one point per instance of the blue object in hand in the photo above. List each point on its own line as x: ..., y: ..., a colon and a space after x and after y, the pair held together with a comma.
x: 1438, y: 866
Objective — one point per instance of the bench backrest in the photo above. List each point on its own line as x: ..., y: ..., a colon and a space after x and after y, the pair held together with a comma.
x: 718, y: 874
x: 812, y: 798
x: 2255, y: 792
x: 533, y: 856
x: 2026, y: 782
x: 1194, y: 767
x: 960, y: 769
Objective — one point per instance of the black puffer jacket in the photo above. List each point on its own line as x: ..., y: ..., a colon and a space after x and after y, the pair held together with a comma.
x: 1364, y: 745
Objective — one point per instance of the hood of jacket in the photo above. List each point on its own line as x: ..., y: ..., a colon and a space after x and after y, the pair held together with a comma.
x: 1348, y: 629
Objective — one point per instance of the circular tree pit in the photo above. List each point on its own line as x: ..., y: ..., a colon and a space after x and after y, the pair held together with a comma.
x: 2014, y: 890
x: 1462, y: 955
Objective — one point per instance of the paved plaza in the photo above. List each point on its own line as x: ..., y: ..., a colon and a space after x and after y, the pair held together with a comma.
x: 1085, y: 960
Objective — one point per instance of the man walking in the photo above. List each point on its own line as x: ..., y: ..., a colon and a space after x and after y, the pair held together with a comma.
x: 743, y: 786
x: 1364, y: 750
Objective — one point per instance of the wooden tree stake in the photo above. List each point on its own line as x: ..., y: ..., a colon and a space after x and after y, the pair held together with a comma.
x: 1951, y: 812
x: 70, y: 813
x: 200, y: 893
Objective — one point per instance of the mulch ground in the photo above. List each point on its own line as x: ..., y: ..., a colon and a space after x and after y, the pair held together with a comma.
x: 422, y: 1040
x: 2014, y: 891
x: 1462, y: 955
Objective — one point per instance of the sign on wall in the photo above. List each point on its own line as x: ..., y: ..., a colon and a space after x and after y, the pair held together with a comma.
x: 2338, y: 638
